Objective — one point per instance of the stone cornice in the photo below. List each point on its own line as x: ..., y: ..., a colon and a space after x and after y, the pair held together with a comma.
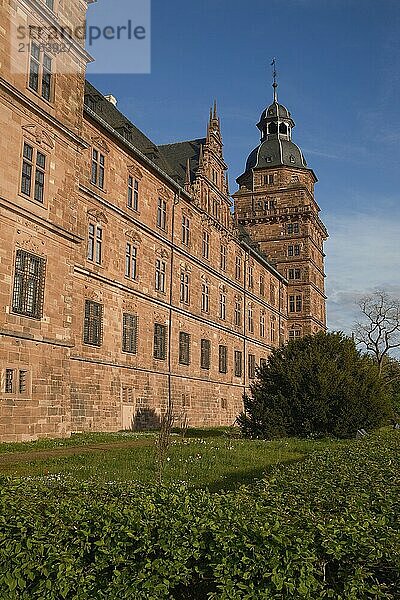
x: 32, y: 107
x: 52, y: 227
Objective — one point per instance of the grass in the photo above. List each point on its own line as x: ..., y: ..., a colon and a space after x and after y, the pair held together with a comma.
x: 209, y: 458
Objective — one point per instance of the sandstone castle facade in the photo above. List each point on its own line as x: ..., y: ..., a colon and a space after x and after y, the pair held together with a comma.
x: 127, y: 279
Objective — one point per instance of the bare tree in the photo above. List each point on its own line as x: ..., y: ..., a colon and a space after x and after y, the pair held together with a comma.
x: 379, y: 329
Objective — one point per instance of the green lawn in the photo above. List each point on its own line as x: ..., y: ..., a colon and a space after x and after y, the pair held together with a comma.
x: 208, y: 458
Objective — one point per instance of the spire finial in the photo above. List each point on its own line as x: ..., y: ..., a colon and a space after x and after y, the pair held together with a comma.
x: 215, y: 109
x: 274, y: 75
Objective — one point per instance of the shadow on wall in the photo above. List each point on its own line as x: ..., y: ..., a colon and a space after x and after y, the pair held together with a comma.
x: 145, y: 419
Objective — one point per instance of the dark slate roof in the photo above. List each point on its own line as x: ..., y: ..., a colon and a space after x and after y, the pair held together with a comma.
x: 115, y: 119
x: 177, y: 155
x: 272, y: 153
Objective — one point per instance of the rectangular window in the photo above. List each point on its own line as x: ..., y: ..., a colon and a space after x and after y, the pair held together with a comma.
x: 251, y: 366
x: 299, y: 303
x: 133, y: 193
x: 160, y: 341
x: 184, y: 288
x: 33, y: 167
x: 222, y: 262
x: 238, y: 312
x: 262, y: 285
x: 9, y: 381
x: 269, y: 179
x: 297, y: 250
x: 205, y: 298
x: 262, y: 324
x: 292, y: 228
x: 273, y: 332
x: 40, y: 72
x: 185, y: 230
x: 272, y: 294
x: 291, y: 304
x: 28, y: 285
x: 130, y: 261
x: 205, y: 358
x: 93, y: 323
x: 223, y: 359
x: 222, y: 306
x: 294, y: 334
x: 250, y: 277
x: 98, y: 166
x: 184, y: 348
x: 290, y: 251
x: 263, y: 362
x: 250, y: 320
x: 23, y: 382
x: 238, y: 363
x: 162, y: 214
x: 206, y: 245
x: 129, y: 333
x: 95, y: 242
x: 238, y: 268
x: 160, y: 275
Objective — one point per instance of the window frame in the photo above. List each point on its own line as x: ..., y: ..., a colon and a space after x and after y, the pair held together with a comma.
x: 130, y: 322
x: 184, y: 348
x: 93, y: 323
x: 160, y: 341
x: 28, y: 286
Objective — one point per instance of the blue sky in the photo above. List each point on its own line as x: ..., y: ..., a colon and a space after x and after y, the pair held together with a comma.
x: 339, y: 75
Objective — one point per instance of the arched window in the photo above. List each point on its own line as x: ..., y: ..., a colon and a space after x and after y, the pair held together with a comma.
x: 272, y: 128
x: 283, y: 128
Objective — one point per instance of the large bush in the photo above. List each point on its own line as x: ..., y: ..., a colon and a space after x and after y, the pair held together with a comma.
x: 327, y: 527
x: 319, y: 385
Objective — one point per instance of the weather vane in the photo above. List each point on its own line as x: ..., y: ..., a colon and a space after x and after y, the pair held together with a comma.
x: 274, y: 75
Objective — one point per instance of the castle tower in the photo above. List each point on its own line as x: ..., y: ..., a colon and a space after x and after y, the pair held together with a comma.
x: 275, y: 203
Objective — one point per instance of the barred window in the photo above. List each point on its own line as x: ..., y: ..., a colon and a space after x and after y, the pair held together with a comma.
x: 95, y: 243
x: 33, y: 171
x: 28, y: 285
x: 23, y: 382
x: 222, y: 306
x: 205, y: 298
x: 160, y: 275
x: 238, y: 267
x: 160, y: 341
x: 205, y: 358
x: 184, y: 348
x: 252, y: 366
x: 206, y: 245
x: 223, y: 359
x: 184, y: 288
x: 98, y: 166
x: 222, y: 262
x: 162, y: 214
x: 238, y: 312
x: 130, y: 261
x: 129, y: 333
x: 40, y: 72
x: 9, y: 381
x: 93, y: 323
x: 238, y: 363
x: 185, y: 230
x: 133, y: 193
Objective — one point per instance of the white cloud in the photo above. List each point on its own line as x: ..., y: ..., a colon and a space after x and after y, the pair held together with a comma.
x: 363, y: 254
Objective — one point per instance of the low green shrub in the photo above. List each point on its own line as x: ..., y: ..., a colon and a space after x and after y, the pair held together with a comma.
x: 326, y: 527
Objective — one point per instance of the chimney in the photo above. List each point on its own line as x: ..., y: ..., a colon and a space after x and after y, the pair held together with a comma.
x: 111, y: 99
